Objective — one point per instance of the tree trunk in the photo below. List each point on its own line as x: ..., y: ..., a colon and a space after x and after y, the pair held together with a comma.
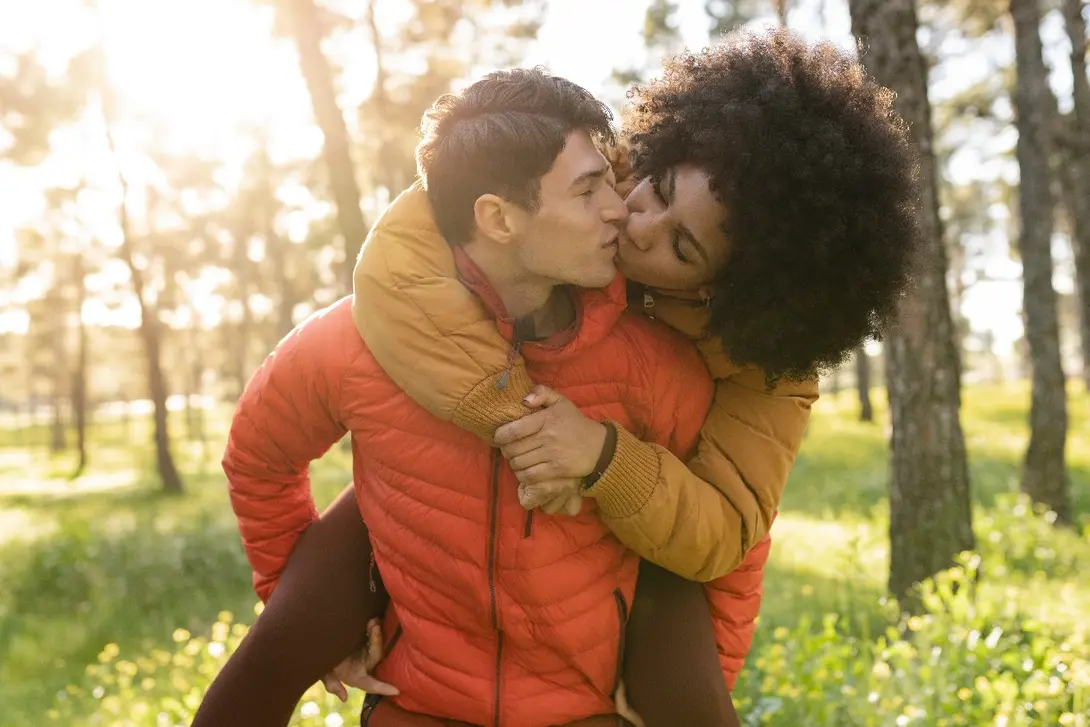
x: 79, y: 376
x: 195, y: 390
x: 305, y: 26
x: 149, y: 316
x: 58, y: 327
x: 781, y: 12
x: 150, y: 337
x: 1044, y: 474
x: 286, y: 299
x: 930, y: 507
x: 157, y: 387
x: 242, y: 340
x: 1076, y: 165
x: 862, y: 383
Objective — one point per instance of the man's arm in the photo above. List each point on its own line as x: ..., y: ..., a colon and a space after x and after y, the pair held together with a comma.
x: 288, y: 416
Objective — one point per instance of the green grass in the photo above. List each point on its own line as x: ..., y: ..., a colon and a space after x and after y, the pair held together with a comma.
x: 112, y: 594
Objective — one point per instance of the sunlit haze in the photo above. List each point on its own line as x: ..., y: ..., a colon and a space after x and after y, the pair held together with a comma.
x: 202, y: 74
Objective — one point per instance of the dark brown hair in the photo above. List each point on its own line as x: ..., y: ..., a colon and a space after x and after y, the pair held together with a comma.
x: 500, y: 136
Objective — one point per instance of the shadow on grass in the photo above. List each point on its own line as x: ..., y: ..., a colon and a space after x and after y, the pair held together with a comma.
x: 790, y: 592
x: 843, y: 466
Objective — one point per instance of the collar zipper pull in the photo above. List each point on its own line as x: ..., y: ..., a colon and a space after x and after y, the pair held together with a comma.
x: 649, y: 305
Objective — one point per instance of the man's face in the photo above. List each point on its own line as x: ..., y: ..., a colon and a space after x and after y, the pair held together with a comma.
x: 572, y: 238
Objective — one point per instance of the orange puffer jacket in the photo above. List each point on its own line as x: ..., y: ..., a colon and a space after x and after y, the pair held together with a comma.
x: 501, y: 616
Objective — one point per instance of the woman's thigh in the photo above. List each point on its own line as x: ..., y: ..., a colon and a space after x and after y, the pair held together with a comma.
x: 315, y: 618
x: 672, y: 672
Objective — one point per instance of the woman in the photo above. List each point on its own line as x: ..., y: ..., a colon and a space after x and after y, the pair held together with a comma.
x: 772, y: 223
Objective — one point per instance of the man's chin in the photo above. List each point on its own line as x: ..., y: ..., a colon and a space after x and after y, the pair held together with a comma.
x: 597, y: 280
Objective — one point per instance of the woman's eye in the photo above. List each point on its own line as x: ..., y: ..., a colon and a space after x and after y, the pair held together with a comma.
x: 656, y: 185
x: 675, y: 242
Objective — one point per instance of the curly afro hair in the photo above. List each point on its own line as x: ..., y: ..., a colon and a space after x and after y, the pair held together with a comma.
x: 819, y: 181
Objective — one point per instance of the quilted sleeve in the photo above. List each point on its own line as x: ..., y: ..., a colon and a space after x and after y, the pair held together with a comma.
x: 287, y: 417
x: 735, y: 601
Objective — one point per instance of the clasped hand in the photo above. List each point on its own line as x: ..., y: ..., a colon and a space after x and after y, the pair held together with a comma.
x: 551, y: 451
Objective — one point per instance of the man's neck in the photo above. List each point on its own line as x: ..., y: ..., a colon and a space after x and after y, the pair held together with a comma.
x: 547, y: 305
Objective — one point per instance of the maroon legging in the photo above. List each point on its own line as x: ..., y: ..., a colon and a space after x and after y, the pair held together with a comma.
x: 318, y: 615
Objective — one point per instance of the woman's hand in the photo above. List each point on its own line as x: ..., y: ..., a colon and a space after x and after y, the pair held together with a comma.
x: 551, y: 450
x: 355, y: 671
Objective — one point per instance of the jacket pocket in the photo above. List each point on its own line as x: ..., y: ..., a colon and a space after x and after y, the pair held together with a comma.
x: 622, y: 628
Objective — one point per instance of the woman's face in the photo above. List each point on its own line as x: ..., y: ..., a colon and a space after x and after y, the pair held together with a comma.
x: 674, y: 237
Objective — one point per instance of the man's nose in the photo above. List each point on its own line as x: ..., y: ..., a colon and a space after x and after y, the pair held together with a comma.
x: 614, y: 209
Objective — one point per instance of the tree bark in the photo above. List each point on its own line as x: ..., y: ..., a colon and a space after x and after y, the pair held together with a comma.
x: 930, y: 507
x: 1044, y: 473
x: 195, y: 424
x: 286, y: 297
x: 1076, y: 167
x: 781, y: 12
x: 306, y: 29
x: 862, y: 383
x: 245, y: 324
x: 58, y: 441
x: 79, y: 375
x: 150, y: 336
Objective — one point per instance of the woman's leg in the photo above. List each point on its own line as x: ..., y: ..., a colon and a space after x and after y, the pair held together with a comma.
x: 386, y: 714
x: 316, y: 617
x: 672, y: 673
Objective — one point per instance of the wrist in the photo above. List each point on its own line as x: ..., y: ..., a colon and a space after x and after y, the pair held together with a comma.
x: 605, y: 456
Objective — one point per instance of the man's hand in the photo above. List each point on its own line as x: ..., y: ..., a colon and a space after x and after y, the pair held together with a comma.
x: 551, y: 450
x: 568, y: 502
x: 355, y: 671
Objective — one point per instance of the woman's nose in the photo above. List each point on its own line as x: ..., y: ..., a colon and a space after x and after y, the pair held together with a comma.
x: 639, y: 230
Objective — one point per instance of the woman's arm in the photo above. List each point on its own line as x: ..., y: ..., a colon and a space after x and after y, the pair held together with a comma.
x: 698, y: 520
x: 432, y: 336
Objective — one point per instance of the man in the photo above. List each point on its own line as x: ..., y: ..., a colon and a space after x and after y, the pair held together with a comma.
x: 498, y: 618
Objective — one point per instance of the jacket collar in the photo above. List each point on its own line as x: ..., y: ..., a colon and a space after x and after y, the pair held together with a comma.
x: 597, y: 310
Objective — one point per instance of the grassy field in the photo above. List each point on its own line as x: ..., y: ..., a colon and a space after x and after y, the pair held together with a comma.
x: 118, y: 604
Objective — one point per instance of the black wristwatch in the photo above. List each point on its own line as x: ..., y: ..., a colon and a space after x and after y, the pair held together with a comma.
x: 609, y: 447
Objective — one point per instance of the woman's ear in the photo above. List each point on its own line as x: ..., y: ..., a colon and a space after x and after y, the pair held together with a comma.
x: 494, y: 219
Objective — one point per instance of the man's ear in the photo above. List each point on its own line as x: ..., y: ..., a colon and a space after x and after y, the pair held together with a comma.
x: 495, y: 218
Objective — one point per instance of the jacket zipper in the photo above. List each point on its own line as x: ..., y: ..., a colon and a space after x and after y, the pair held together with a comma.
x: 493, y: 525
x: 392, y: 642
x: 529, y: 529
x: 622, y: 623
